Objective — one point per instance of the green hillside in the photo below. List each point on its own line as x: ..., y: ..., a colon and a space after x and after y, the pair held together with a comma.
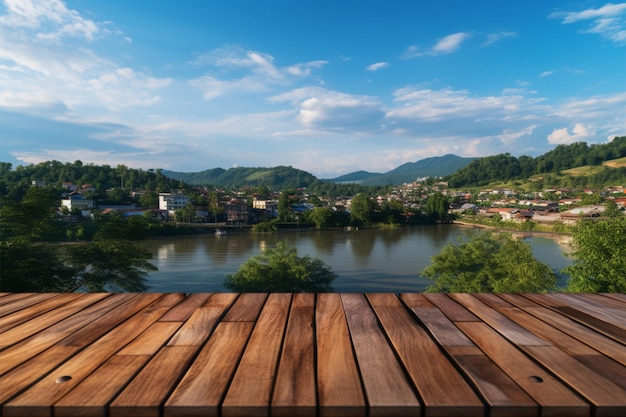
x: 575, y: 165
x: 280, y: 177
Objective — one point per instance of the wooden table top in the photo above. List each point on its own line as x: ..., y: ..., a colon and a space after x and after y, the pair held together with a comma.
x: 312, y: 354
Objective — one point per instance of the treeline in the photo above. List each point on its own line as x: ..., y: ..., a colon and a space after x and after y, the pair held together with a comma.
x: 102, y: 178
x: 504, y: 167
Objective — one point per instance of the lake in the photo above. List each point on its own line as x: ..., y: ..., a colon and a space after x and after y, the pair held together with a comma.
x: 366, y: 260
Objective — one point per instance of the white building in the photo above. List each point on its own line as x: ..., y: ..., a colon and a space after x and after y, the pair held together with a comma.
x: 171, y: 202
x: 77, y: 201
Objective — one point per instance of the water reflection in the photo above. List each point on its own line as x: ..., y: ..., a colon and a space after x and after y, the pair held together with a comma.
x: 365, y: 260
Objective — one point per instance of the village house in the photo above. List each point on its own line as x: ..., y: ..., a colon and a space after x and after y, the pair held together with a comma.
x: 170, y: 202
x: 77, y: 201
x: 587, y: 212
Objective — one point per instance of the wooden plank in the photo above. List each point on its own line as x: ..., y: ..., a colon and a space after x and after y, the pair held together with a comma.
x: 248, y: 307
x: 150, y: 341
x: 185, y: 309
x: 92, y: 396
x: 294, y: 389
x: 441, y: 327
x: 386, y: 386
x: 20, y: 304
x: 615, y: 296
x: 196, y: 330
x: 9, y: 298
x: 338, y: 383
x: 591, y: 338
x: 603, y: 301
x: 503, y: 396
x: 590, y: 320
x: 608, y: 399
x: 506, y: 327
x: 604, y: 365
x: 35, y: 365
x: 259, y: 362
x: 554, y: 398
x: 443, y: 390
x: 200, y: 391
x: 104, y: 324
x: 149, y: 390
x: 145, y: 394
x: 613, y: 315
x: 69, y: 304
x: 28, y: 348
x: 39, y: 398
x: 450, y: 308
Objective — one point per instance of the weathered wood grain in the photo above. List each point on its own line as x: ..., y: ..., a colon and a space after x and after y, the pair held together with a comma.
x: 498, y: 390
x: 338, y: 384
x: 294, y: 389
x: 442, y: 389
x: 312, y: 354
x: 388, y: 390
x: 259, y: 362
x: 554, y: 397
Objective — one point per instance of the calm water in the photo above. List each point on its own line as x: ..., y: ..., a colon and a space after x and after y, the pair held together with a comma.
x: 369, y: 260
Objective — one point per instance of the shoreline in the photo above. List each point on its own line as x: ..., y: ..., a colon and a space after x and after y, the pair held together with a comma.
x: 513, y: 231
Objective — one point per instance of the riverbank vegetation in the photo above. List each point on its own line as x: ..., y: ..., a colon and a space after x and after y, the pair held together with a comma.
x: 489, y: 263
x: 281, y: 269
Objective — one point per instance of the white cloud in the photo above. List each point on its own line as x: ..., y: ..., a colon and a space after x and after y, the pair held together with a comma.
x: 377, y: 66
x: 563, y: 136
x: 607, y: 21
x: 412, y: 51
x: 546, y: 73
x: 497, y: 37
x: 509, y: 136
x: 608, y: 9
x: 320, y: 108
x: 425, y: 104
x: 450, y: 43
x: 445, y: 45
x: 259, y: 72
x: 52, y: 21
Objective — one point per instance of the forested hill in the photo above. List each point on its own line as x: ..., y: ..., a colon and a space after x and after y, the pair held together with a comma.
x: 99, y: 177
x: 504, y: 167
x: 281, y: 177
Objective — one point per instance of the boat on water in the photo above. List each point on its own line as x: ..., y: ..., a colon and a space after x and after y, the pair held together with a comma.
x: 220, y: 232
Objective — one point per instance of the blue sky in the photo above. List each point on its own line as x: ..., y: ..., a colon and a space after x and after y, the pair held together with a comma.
x: 329, y: 87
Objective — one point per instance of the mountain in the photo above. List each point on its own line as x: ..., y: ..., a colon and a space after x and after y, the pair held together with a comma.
x: 354, y: 177
x: 280, y: 177
x: 438, y: 166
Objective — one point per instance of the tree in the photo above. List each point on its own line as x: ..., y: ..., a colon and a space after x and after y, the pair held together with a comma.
x: 112, y: 262
x: 284, y: 207
x: 361, y: 209
x: 489, y: 263
x: 437, y: 207
x: 186, y: 214
x: 599, y: 256
x: 33, y: 267
x: 321, y: 216
x: 280, y: 269
x: 109, y: 265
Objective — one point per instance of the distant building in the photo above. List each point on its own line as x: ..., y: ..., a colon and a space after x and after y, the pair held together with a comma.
x: 76, y: 201
x: 171, y: 202
x: 270, y: 207
x: 237, y: 212
x: 69, y: 186
x: 36, y: 183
